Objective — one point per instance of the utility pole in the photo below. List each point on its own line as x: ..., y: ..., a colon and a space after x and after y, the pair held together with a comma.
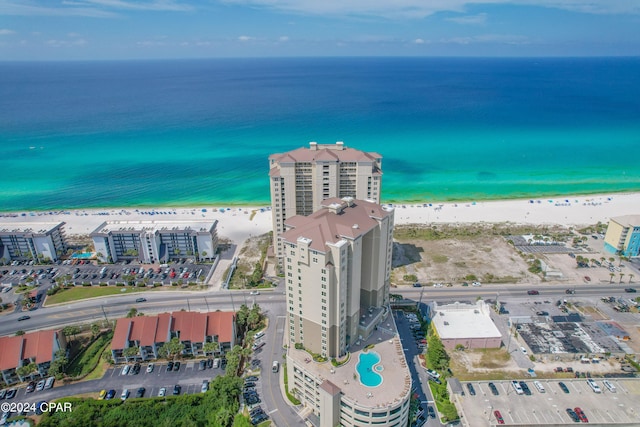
x: 206, y: 302
x: 188, y: 305
x: 105, y: 314
x: 232, y: 304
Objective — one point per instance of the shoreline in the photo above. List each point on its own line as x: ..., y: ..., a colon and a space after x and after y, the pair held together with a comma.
x: 239, y: 223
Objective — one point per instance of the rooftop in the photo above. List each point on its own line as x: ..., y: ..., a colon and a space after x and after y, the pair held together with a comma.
x: 336, y: 220
x: 628, y: 220
x: 325, y: 153
x: 29, y: 227
x: 459, y: 320
x: 396, y: 379
x: 154, y: 226
x: 33, y: 345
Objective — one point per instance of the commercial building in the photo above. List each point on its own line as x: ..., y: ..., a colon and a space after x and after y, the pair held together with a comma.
x: 623, y: 236
x: 337, y: 264
x: 155, y: 241
x: 301, y: 179
x: 34, y: 347
x: 147, y: 334
x: 38, y: 241
x: 452, y: 323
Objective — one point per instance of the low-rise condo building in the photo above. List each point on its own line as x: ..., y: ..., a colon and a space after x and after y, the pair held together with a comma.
x: 301, y: 179
x: 623, y: 236
x: 38, y: 348
x: 146, y: 334
x: 38, y: 241
x: 155, y: 241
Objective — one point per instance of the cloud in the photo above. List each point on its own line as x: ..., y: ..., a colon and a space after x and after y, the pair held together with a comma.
x: 245, y: 38
x: 418, y: 41
x: 66, y: 43
x: 488, y: 38
x: 402, y: 9
x: 6, y: 32
x: 89, y: 8
x: 283, y: 38
x: 478, y: 19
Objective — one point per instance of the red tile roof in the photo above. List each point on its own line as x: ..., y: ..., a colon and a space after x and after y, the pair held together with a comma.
x: 164, y: 327
x: 192, y: 325
x: 10, y: 352
x: 121, y: 334
x: 34, y: 345
x: 221, y: 324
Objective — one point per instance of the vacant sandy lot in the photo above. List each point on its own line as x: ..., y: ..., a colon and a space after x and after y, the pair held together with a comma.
x: 488, y: 258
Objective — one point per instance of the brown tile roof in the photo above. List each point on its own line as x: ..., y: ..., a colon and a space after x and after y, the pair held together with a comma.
x: 121, y: 334
x: 325, y: 226
x: 10, y: 352
x: 220, y: 323
x: 304, y: 154
x: 192, y: 325
x: 164, y: 327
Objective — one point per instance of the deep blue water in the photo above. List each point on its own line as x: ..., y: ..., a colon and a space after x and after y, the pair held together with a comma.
x: 111, y: 134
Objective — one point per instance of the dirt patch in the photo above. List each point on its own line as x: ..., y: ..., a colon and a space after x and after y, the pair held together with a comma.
x: 484, y: 364
x: 252, y: 252
x: 484, y: 258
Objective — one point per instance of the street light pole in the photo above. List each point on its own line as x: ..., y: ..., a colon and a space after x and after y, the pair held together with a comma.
x: 206, y: 302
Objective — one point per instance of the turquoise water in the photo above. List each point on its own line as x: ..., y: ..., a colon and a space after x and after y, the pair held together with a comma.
x: 366, y: 371
x: 193, y: 133
x: 84, y: 255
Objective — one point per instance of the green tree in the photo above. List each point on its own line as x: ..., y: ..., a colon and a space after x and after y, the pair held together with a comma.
x: 131, y: 352
x: 241, y: 421
x: 26, y: 370
x: 210, y: 347
x: 436, y: 354
x: 631, y: 276
x: 19, y: 332
x: 612, y: 275
x: 71, y: 330
x: 95, y: 330
x: 171, y: 349
x: 621, y: 276
x: 59, y: 363
x: 241, y: 318
x: 132, y: 313
x: 254, y: 317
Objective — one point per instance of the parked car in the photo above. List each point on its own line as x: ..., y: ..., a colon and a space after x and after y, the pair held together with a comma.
x: 563, y: 387
x: 254, y: 293
x: 525, y: 388
x: 581, y: 415
x: 110, y: 395
x: 11, y: 393
x: 202, y: 365
x: 169, y: 366
x: 31, y: 386
x: 205, y: 386
x: 125, y: 394
x: 176, y: 366
x: 472, y: 391
x: 125, y: 369
x: 177, y: 389
x: 417, y: 285
x: 572, y: 414
x: 102, y: 394
x: 251, y: 378
x: 40, y: 385
x: 150, y: 367
x: 140, y: 392
x: 162, y: 392
x: 498, y: 416
x: 136, y: 369
x: 494, y: 389
x: 431, y: 412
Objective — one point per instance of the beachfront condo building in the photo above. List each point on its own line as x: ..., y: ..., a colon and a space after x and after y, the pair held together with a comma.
x: 301, y: 179
x: 623, y: 236
x: 155, y: 241
x: 337, y: 264
x: 37, y: 241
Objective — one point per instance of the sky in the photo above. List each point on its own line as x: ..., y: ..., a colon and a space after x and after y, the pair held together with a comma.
x: 158, y: 29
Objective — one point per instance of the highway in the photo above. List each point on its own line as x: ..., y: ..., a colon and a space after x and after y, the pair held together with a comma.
x: 112, y: 307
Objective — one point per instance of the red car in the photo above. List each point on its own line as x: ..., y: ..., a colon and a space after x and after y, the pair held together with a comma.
x: 581, y: 415
x: 533, y: 292
x: 498, y: 416
x: 587, y: 278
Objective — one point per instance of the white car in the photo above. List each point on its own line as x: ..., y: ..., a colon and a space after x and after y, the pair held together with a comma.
x: 254, y: 293
x: 476, y: 284
x: 149, y: 368
x: 524, y: 350
x: 125, y: 369
x: 125, y: 394
x: 40, y: 385
x: 162, y: 392
x: 437, y: 285
x: 205, y: 386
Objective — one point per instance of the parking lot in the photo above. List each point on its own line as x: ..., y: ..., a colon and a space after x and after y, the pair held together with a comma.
x: 549, y: 407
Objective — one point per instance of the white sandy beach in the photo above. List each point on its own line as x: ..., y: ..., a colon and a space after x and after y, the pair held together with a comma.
x: 237, y: 224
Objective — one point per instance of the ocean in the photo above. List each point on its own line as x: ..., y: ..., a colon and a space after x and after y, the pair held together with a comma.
x: 199, y: 132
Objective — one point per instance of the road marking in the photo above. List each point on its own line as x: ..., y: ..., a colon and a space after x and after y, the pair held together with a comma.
x: 271, y: 412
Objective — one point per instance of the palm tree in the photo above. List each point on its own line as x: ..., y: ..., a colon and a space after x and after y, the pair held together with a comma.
x: 630, y: 277
x: 602, y: 259
x: 621, y: 276
x: 612, y: 276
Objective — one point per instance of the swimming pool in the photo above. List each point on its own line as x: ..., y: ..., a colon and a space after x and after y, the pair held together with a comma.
x: 83, y: 255
x: 367, y: 368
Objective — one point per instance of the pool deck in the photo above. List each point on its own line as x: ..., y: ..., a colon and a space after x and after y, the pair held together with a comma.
x: 396, y: 378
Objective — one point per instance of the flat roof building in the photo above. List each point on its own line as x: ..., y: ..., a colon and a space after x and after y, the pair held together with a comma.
x: 155, y: 241
x: 38, y: 241
x: 301, y: 179
x: 623, y: 236
x: 469, y: 325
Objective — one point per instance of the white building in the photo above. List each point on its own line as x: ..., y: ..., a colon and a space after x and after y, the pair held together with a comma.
x: 155, y: 241
x: 469, y: 325
x: 32, y: 240
x: 301, y: 179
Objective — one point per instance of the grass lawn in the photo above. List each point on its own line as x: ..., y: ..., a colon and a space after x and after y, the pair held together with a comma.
x: 90, y: 356
x: 83, y: 292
